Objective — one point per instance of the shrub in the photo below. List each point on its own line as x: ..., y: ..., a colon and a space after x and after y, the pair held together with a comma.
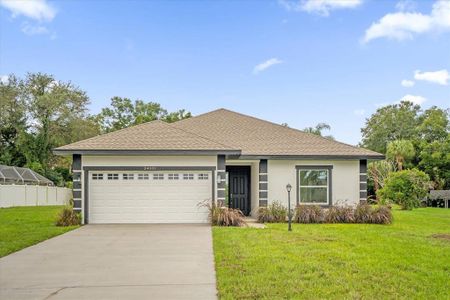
x: 381, y: 215
x: 274, y: 213
x: 308, y: 214
x: 339, y: 214
x: 405, y: 188
x: 264, y: 215
x: 367, y: 214
x: 68, y: 217
x: 224, y: 216
x: 363, y: 213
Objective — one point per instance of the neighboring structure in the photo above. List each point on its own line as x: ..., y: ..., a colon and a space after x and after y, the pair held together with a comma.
x: 18, y: 175
x: 24, y: 187
x: 439, y: 198
x: 159, y: 173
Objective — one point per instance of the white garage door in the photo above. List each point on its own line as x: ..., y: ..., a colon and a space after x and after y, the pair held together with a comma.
x: 149, y: 197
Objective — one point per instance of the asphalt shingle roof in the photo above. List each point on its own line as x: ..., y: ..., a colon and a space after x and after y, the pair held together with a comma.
x: 259, y: 137
x: 155, y: 135
x: 221, y: 130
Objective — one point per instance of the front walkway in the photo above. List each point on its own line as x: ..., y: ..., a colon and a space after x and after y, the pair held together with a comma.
x: 114, y: 262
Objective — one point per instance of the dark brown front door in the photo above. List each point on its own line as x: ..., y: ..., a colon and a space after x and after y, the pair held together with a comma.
x: 239, y: 188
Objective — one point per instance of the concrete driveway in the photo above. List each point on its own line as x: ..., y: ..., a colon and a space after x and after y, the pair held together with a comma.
x: 114, y: 262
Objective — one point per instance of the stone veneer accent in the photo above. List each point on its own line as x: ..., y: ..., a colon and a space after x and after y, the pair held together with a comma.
x: 221, y: 185
x: 363, y: 180
x: 77, y: 184
x: 263, y: 181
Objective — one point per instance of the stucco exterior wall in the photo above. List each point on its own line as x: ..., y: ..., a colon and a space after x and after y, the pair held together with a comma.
x: 345, y: 175
x: 345, y: 180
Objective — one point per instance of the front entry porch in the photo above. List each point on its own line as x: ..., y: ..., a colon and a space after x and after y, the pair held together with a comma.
x: 239, y: 188
x: 242, y: 184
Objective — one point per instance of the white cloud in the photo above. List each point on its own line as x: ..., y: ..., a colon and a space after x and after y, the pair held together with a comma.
x: 359, y: 112
x: 414, y: 99
x: 35, y: 9
x: 407, y: 83
x: 320, y: 7
x: 34, y: 29
x: 404, y: 25
x: 4, y: 79
x: 440, y: 77
x: 265, y: 65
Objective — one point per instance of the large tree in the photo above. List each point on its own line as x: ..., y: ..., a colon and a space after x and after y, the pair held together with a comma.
x: 390, y: 123
x: 433, y: 125
x: 426, y: 132
x: 12, y: 122
x: 435, y: 161
x: 123, y: 113
x: 54, y: 107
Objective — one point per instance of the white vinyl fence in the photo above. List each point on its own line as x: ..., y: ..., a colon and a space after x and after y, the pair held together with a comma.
x: 33, y: 195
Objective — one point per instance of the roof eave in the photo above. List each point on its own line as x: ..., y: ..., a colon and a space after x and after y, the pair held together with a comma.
x: 315, y: 157
x: 64, y: 152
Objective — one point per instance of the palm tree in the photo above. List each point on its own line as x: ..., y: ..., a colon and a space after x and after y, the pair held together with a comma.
x: 378, y: 171
x: 400, y: 151
x: 318, y: 130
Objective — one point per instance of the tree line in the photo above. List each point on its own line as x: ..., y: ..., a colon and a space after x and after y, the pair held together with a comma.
x: 416, y: 143
x: 39, y: 113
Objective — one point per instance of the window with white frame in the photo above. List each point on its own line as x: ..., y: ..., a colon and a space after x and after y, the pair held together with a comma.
x: 97, y: 176
x: 174, y: 176
x: 189, y: 176
x: 143, y: 177
x: 128, y: 176
x: 113, y: 176
x: 314, y: 185
x: 158, y: 176
x: 203, y: 176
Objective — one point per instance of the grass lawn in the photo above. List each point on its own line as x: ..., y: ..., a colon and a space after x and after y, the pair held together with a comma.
x: 340, y: 261
x: 21, y: 227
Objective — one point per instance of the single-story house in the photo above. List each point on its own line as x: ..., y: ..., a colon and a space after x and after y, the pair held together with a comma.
x: 158, y: 172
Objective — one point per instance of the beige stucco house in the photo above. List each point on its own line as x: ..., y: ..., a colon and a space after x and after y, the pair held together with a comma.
x: 159, y: 173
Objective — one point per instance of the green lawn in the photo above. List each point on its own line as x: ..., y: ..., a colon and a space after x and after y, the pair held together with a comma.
x: 21, y: 227
x: 340, y: 261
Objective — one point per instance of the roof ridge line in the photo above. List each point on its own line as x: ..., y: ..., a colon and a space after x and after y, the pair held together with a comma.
x: 201, y: 115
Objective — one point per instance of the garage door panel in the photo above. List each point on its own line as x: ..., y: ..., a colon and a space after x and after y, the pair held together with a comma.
x: 166, y: 217
x: 149, y: 200
x: 153, y: 209
x: 153, y: 203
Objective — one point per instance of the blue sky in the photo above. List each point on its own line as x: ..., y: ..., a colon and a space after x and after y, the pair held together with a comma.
x: 295, y: 62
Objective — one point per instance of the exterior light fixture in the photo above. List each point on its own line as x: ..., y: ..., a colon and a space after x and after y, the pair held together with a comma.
x: 288, y: 189
x: 219, y: 179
